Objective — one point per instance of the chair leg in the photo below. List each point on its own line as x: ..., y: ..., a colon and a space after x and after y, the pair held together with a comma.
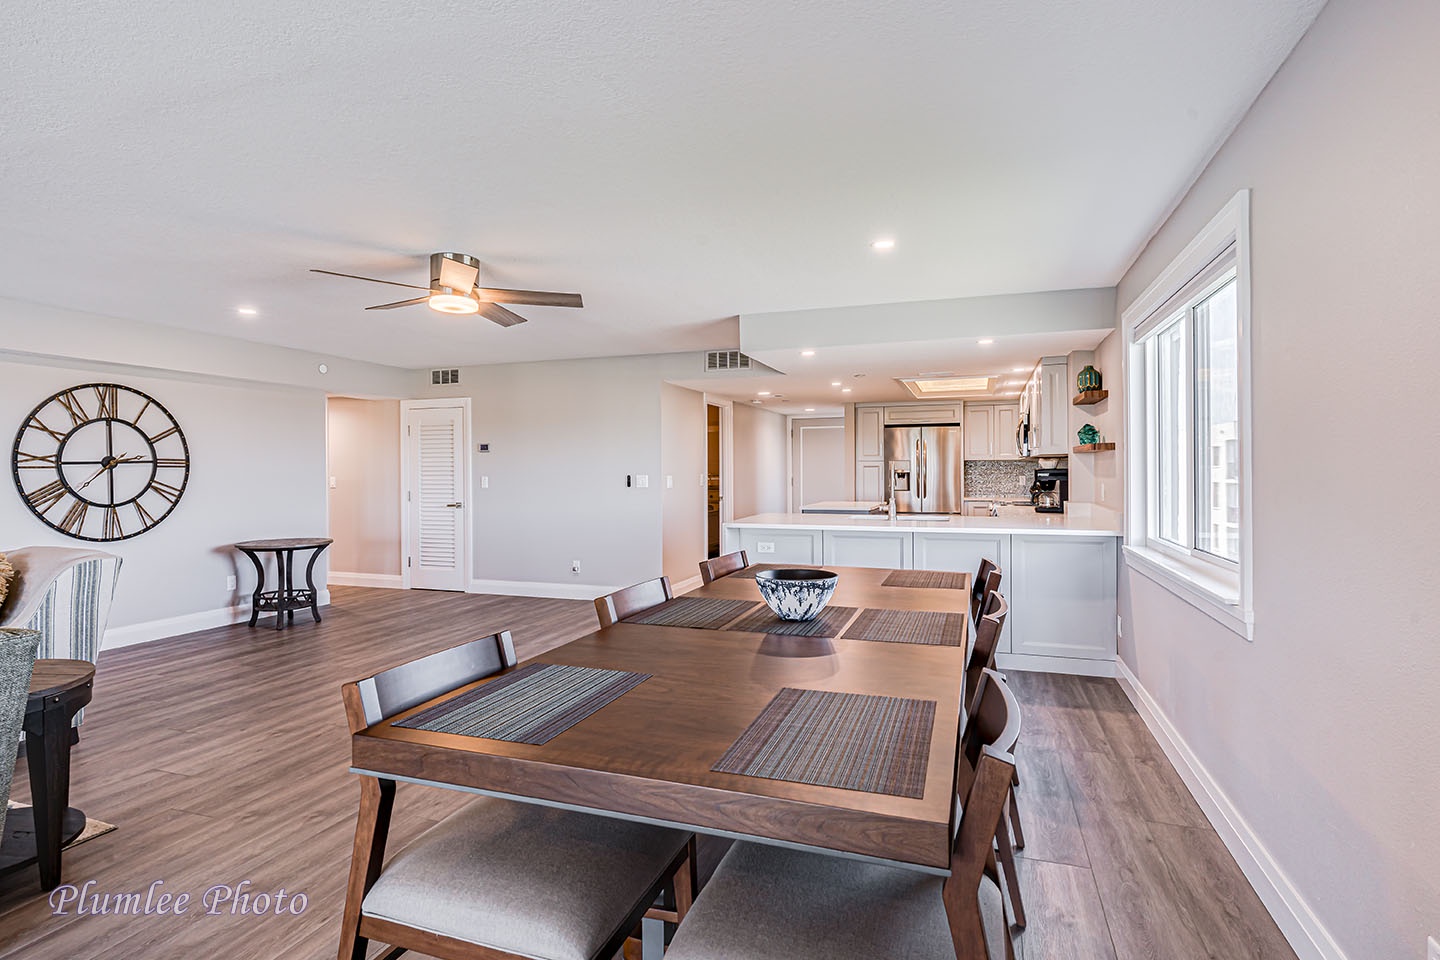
x: 372, y: 829
x: 1012, y: 878
x: 1014, y: 817
x: 686, y: 880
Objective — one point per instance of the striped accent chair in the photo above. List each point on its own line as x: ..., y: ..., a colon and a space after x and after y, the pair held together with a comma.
x: 64, y: 594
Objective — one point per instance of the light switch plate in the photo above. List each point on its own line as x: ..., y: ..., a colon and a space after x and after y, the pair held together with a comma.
x: 764, y: 546
x: 669, y: 481
x: 484, y: 482
x: 642, y: 480
x: 332, y: 483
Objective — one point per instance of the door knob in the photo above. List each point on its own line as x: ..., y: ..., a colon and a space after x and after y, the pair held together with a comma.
x: 457, y: 505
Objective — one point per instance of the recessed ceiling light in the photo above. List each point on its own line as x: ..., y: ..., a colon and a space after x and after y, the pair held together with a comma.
x: 246, y: 311
x: 1020, y: 370
x: 945, y: 386
x: 453, y: 303
x: 807, y: 353
x: 884, y: 243
x: 834, y: 383
x: 985, y: 342
x: 846, y: 390
x: 762, y: 393
x: 809, y: 409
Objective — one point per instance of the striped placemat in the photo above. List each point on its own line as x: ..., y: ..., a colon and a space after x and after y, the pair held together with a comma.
x: 853, y: 741
x: 828, y: 623
x: 533, y: 704
x: 909, y: 626
x: 943, y: 579
x: 707, y: 613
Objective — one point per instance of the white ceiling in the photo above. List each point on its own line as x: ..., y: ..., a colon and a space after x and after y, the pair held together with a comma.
x: 678, y: 164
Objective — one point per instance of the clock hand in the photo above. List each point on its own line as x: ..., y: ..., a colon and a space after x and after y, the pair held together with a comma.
x: 110, y: 465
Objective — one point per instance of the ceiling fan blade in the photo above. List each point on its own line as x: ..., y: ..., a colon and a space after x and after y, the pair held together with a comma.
x: 539, y: 298
x: 497, y: 313
x: 351, y: 276
x: 398, y: 303
x: 458, y: 276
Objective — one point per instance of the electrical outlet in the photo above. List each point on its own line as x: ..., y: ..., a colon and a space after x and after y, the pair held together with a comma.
x: 764, y: 546
x: 229, y: 583
x: 574, y: 566
x: 484, y: 482
x: 1433, y: 953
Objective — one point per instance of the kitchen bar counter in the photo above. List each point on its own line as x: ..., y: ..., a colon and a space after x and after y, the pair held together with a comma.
x: 1060, y: 570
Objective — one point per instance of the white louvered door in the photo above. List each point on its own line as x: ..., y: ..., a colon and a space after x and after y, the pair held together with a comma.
x: 435, y: 441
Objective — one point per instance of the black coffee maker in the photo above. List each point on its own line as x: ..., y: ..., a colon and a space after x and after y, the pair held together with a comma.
x: 1050, y: 490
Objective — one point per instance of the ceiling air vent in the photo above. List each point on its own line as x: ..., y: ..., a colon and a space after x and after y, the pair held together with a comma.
x: 726, y: 360
x: 444, y: 377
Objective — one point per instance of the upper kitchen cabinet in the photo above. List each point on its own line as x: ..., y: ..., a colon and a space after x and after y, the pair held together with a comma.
x: 989, y: 431
x: 1049, y: 397
x: 921, y: 413
x: 869, y: 433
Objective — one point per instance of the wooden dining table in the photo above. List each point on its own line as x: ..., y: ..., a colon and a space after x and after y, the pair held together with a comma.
x: 648, y: 755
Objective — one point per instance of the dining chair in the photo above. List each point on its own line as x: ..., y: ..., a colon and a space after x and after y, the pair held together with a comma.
x: 498, y: 878
x: 983, y: 719
x: 717, y: 567
x: 987, y: 581
x: 987, y: 640
x: 775, y: 903
x: 614, y: 607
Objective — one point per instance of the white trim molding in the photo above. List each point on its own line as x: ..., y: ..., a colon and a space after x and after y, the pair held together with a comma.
x: 1074, y: 666
x: 151, y: 630
x: 1303, y: 930
x: 536, y: 588
x: 387, y: 581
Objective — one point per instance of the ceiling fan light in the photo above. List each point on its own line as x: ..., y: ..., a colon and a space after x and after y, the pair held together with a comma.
x: 453, y: 303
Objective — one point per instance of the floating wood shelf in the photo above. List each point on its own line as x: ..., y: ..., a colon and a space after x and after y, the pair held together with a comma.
x: 1090, y: 396
x: 1093, y: 447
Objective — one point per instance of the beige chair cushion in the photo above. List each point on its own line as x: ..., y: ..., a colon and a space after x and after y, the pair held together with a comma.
x: 524, y: 879
x: 770, y: 903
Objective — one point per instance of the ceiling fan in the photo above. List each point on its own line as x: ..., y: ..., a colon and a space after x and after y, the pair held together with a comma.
x: 452, y: 290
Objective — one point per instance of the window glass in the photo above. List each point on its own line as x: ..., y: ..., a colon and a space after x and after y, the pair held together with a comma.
x: 1170, y: 430
x: 1217, y: 481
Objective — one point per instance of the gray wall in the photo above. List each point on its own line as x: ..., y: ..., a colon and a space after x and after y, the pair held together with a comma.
x: 257, y: 470
x: 363, y: 439
x: 760, y: 443
x: 1323, y: 730
x: 682, y: 457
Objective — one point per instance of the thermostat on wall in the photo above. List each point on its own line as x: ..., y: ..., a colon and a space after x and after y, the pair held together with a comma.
x: 482, y: 448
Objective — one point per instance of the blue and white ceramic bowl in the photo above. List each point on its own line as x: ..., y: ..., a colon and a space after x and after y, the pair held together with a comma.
x: 796, y: 594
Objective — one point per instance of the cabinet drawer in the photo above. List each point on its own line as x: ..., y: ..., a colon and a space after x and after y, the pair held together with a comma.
x: 924, y: 413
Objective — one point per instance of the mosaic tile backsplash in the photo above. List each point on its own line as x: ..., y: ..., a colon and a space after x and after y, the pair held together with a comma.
x: 999, y: 478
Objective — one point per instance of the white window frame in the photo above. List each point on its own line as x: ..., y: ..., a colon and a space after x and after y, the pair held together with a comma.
x: 1221, y: 589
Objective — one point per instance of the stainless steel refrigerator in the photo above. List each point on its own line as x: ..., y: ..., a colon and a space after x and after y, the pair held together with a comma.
x: 923, y: 467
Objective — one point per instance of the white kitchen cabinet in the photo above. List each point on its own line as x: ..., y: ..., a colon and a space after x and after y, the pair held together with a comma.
x: 778, y: 545
x: 923, y: 413
x: 1050, y: 408
x: 989, y: 431
x: 1062, y: 596
x: 944, y: 551
x: 869, y: 433
x: 976, y: 508
x: 870, y: 480
x: 869, y: 548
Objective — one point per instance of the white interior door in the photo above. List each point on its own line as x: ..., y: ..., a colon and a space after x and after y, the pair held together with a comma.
x: 818, y: 460
x: 435, y: 494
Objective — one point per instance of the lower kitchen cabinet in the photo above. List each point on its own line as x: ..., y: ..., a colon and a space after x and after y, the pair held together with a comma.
x: 1062, y: 596
x: 945, y: 551
x: 870, y: 480
x: 870, y: 548
x: 779, y: 545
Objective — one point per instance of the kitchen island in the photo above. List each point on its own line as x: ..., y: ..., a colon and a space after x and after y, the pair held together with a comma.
x: 1060, y: 570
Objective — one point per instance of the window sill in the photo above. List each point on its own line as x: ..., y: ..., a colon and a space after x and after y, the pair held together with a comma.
x: 1211, y: 595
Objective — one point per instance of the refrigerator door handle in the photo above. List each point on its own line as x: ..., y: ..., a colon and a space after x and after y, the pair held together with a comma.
x: 924, y: 471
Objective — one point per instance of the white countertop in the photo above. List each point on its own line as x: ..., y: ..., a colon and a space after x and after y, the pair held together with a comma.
x: 842, y: 506
x: 1066, y: 524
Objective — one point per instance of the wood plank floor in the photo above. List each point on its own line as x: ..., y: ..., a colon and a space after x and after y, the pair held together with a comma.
x: 222, y: 758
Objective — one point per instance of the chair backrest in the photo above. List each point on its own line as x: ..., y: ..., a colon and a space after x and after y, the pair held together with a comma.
x: 712, y: 570
x: 987, y: 581
x: 616, y: 606
x: 385, y: 694
x: 987, y: 639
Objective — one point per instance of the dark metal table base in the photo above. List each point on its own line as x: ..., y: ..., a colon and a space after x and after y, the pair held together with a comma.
x: 18, y: 846
x: 285, y: 599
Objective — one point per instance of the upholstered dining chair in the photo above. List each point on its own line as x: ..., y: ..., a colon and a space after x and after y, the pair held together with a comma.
x: 987, y: 581
x: 64, y: 594
x: 498, y: 879
x: 17, y: 659
x: 614, y: 607
x: 717, y: 567
x: 773, y: 903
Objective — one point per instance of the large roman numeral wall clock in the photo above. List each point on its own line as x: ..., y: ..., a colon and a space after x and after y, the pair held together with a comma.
x: 101, y: 462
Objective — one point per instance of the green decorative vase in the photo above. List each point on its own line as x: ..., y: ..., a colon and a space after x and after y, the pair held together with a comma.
x: 1088, y: 435
x: 1089, y: 379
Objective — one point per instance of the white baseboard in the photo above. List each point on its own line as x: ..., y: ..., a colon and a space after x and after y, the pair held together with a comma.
x: 388, y: 581
x: 1299, y: 924
x: 685, y: 586
x: 145, y: 632
x: 535, y: 588
x: 1071, y: 665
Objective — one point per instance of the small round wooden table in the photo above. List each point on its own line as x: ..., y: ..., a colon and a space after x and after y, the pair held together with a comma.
x: 284, y: 599
x: 58, y: 689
